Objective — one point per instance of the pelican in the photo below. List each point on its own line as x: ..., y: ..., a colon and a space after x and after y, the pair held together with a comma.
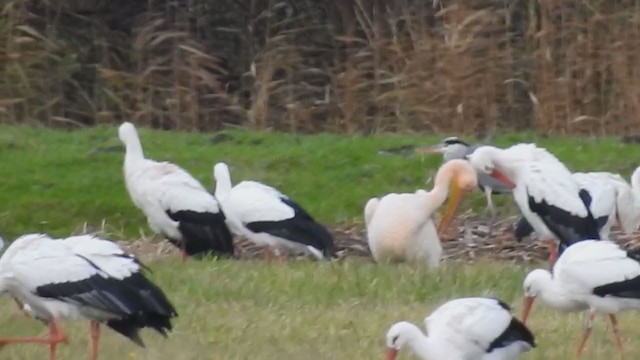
x: 474, y: 328
x: 400, y: 227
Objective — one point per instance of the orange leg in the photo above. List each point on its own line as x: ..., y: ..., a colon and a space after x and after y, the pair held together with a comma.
x: 553, y: 251
x: 95, y: 337
x: 56, y: 336
x: 616, y: 334
x: 183, y: 251
x: 267, y: 253
x: 586, y: 334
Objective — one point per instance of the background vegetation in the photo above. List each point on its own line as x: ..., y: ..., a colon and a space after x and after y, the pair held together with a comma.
x: 355, y: 66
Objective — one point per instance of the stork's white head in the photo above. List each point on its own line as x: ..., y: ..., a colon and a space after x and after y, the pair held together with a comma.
x: 220, y: 171
x: 400, y: 335
x: 127, y: 133
x: 535, y: 282
x: 483, y: 159
x: 223, y: 180
x: 635, y: 179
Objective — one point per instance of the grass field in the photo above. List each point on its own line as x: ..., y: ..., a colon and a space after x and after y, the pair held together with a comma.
x: 55, y: 181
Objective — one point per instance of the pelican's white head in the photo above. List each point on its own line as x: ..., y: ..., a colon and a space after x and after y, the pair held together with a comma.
x: 533, y: 285
x: 400, y: 335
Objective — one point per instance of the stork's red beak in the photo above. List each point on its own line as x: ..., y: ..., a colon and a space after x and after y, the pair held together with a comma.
x: 498, y: 175
x: 391, y: 354
x: 526, y: 308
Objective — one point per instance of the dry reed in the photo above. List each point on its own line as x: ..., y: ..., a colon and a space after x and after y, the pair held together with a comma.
x: 554, y: 66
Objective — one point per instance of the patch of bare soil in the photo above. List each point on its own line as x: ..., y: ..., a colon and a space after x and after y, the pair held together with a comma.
x: 468, y: 240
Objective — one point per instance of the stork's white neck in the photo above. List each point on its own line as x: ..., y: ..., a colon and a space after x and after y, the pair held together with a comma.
x: 133, y: 148
x: 223, y: 180
x: 428, y: 349
x: 552, y: 295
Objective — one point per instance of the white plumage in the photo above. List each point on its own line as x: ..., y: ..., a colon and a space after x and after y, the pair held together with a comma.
x: 545, y: 191
x: 473, y: 328
x: 400, y: 227
x: 269, y: 218
x: 175, y: 203
x: 627, y: 198
x: 82, y: 277
x: 597, y: 275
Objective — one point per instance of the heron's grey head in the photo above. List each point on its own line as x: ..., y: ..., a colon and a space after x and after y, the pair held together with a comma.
x: 450, y: 148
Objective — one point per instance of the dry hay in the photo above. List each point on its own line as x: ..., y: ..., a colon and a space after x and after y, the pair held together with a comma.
x: 468, y: 242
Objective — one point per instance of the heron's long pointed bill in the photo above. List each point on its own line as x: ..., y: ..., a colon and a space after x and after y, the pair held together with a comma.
x: 391, y: 354
x: 432, y: 149
x: 526, y: 308
x: 455, y: 197
x: 498, y: 175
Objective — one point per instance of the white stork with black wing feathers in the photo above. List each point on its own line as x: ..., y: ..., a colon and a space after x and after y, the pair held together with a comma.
x: 82, y: 277
x: 544, y: 189
x: 474, y: 328
x: 175, y: 203
x: 269, y: 218
x: 595, y: 275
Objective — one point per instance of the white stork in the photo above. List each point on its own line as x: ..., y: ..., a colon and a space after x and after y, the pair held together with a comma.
x: 546, y: 192
x: 474, y: 328
x: 603, y: 195
x: 269, y: 218
x: 175, y: 203
x: 82, y: 277
x: 400, y: 227
x: 627, y: 199
x: 594, y: 275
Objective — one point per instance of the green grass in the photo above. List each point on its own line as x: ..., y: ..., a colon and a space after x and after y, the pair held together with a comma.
x: 55, y: 181
x: 253, y: 310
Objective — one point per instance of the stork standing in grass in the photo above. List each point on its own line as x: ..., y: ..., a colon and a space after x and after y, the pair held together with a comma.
x: 614, y: 201
x: 175, y: 203
x: 454, y: 148
x: 595, y: 275
x: 604, y: 199
x: 473, y: 328
x: 400, y: 227
x: 544, y: 189
x: 82, y: 277
x: 269, y: 218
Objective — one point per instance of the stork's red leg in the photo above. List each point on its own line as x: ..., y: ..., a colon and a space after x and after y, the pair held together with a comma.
x: 616, y: 333
x: 183, y: 248
x: 56, y: 336
x: 553, y: 251
x: 267, y: 253
x: 585, y: 335
x: 95, y: 337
